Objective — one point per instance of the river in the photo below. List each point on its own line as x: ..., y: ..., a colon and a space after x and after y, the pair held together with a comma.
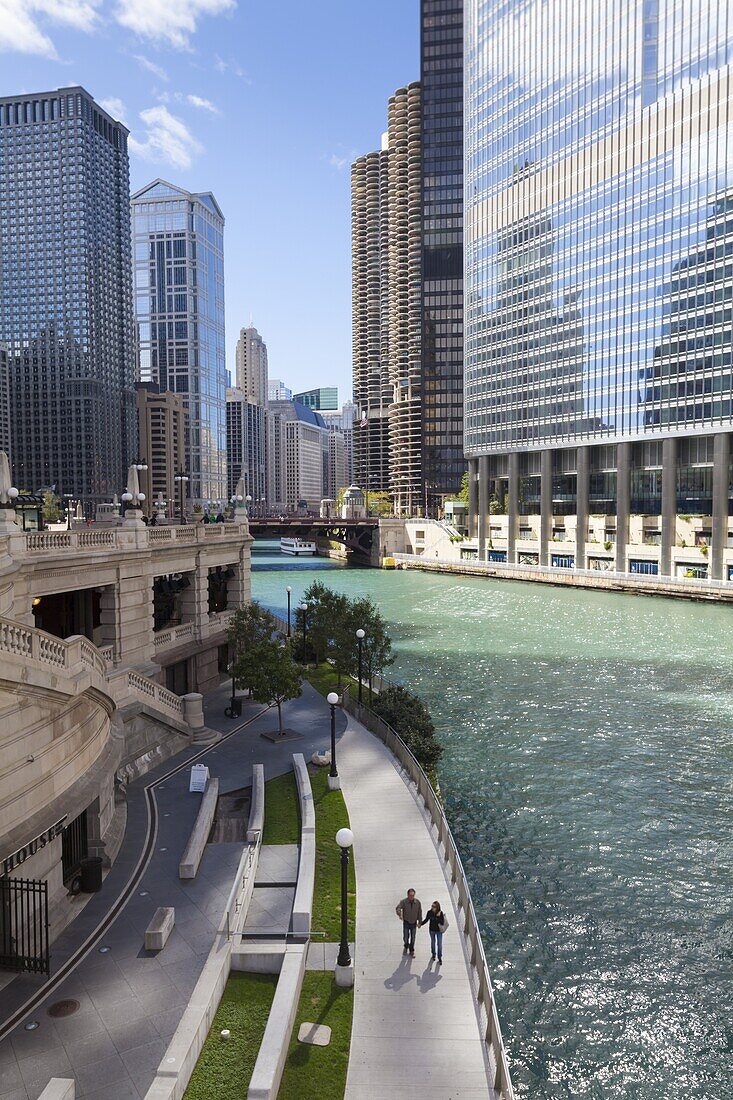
x: 587, y: 780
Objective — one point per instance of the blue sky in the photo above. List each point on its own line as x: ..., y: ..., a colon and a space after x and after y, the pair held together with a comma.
x: 265, y: 104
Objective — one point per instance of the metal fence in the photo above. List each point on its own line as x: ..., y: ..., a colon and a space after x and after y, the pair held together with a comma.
x: 24, y: 942
x: 483, y: 987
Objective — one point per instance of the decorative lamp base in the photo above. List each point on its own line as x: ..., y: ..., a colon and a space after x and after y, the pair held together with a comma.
x: 344, y: 976
x: 334, y: 782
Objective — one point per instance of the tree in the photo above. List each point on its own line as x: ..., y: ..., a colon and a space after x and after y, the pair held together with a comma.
x: 409, y: 717
x: 378, y: 504
x: 377, y: 645
x: 274, y: 676
x: 324, y: 608
x: 250, y: 626
x: 51, y: 507
x: 463, y: 493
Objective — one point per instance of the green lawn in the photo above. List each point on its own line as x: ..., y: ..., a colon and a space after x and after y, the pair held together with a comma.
x: 319, y: 1073
x: 224, y: 1067
x: 282, y: 817
x: 331, y: 816
x: 324, y: 679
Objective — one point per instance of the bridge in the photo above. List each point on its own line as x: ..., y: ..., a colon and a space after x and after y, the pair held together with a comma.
x: 357, y: 535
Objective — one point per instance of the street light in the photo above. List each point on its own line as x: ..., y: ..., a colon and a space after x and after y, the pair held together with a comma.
x: 248, y: 501
x: 288, y: 590
x: 234, y: 710
x: 334, y: 783
x: 360, y: 639
x: 304, y: 608
x: 344, y: 839
x: 181, y: 479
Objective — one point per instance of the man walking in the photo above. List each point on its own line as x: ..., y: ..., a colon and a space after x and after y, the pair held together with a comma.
x: 409, y: 910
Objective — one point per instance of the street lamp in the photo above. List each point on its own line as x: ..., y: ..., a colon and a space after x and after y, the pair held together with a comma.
x: 334, y: 783
x: 234, y: 710
x: 304, y: 608
x: 344, y: 839
x: 288, y: 590
x: 181, y: 479
x: 248, y: 501
x: 360, y: 639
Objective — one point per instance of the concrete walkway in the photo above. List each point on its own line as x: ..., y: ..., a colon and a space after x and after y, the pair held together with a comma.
x: 415, y: 1023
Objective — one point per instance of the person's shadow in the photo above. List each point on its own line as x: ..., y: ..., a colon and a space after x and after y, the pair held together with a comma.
x: 429, y: 978
x: 401, y: 976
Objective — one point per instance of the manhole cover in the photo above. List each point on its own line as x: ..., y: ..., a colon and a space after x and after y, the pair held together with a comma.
x: 63, y: 1008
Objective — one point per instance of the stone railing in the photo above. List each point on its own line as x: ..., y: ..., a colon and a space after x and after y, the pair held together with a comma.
x: 501, y: 1080
x: 125, y: 538
x: 108, y: 652
x: 161, y: 696
x: 175, y: 635
x: 36, y: 645
x: 68, y: 540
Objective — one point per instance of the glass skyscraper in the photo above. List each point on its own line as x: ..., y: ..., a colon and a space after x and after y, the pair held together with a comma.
x: 599, y: 270
x: 65, y: 293
x: 179, y: 307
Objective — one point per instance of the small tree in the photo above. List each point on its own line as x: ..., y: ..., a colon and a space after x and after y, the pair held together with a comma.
x: 51, y: 507
x: 274, y: 676
x: 377, y: 645
x: 463, y: 494
x: 250, y: 626
x: 379, y: 504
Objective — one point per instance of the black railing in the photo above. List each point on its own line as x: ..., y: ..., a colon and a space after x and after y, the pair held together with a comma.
x: 24, y: 925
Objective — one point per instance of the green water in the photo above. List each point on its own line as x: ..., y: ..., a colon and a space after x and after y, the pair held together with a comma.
x: 587, y: 779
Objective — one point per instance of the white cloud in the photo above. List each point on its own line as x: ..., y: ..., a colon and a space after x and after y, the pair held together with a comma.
x: 203, y: 104
x: 115, y: 107
x: 20, y: 23
x: 223, y: 66
x: 146, y: 63
x: 339, y: 161
x: 167, y: 140
x: 170, y: 21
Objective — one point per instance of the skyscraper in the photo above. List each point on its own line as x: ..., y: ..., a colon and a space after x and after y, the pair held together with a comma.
x: 278, y: 391
x: 179, y: 301
x: 297, y: 457
x: 598, y: 264
x: 251, y: 366
x: 65, y: 292
x: 246, y: 446
x: 324, y: 398
x: 162, y: 432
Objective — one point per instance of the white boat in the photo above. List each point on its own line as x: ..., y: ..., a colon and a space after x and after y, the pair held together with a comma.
x: 297, y: 547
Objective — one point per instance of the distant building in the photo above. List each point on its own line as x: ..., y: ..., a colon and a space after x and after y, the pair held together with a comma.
x: 246, y: 447
x: 65, y: 292
x: 5, y: 406
x: 179, y: 294
x: 343, y: 422
x: 251, y: 366
x: 325, y: 397
x: 278, y: 391
x: 337, y: 478
x: 162, y: 429
x: 297, y: 456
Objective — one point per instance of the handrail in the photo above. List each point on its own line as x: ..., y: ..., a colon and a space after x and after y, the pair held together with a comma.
x: 393, y: 741
x: 99, y: 538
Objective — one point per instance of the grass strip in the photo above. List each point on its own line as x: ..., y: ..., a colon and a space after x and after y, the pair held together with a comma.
x: 282, y: 817
x: 331, y: 815
x: 224, y: 1067
x: 324, y: 679
x: 319, y: 1073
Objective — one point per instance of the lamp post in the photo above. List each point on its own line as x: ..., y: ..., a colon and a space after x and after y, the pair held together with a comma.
x: 234, y: 710
x: 344, y: 971
x: 360, y: 639
x: 181, y: 479
x: 248, y: 500
x: 289, y: 591
x: 304, y: 608
x: 334, y: 783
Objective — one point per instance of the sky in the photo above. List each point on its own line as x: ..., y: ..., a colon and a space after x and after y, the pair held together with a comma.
x: 264, y: 103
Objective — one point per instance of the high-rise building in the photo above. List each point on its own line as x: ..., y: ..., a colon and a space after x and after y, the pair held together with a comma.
x: 246, y: 447
x: 278, y: 391
x: 251, y: 366
x: 179, y: 298
x: 297, y: 457
x: 325, y: 398
x: 5, y: 405
x: 65, y: 293
x: 343, y: 422
x: 386, y: 192
x: 598, y: 264
x: 337, y: 478
x: 161, y: 419
x: 441, y: 79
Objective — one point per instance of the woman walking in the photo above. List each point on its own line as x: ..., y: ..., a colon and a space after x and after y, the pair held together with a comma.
x: 438, y: 922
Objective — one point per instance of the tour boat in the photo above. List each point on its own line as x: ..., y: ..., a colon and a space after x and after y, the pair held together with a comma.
x: 297, y: 547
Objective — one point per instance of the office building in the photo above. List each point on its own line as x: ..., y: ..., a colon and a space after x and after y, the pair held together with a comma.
x: 297, y: 457
x: 325, y: 398
x: 278, y: 391
x: 162, y: 431
x: 246, y: 448
x: 5, y: 406
x: 179, y: 302
x: 343, y: 422
x: 337, y: 478
x: 251, y: 366
x: 65, y: 293
x: 598, y: 245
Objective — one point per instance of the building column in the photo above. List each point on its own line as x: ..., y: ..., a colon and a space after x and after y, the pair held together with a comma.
x: 483, y: 504
x: 472, y: 496
x: 582, y: 497
x: 545, y: 505
x: 669, y: 505
x: 721, y: 479
x: 513, y: 509
x: 623, y: 503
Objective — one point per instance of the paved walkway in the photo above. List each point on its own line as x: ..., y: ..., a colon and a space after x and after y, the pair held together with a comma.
x: 415, y: 1023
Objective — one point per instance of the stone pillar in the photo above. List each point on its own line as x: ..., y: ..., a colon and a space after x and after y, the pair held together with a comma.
x: 134, y: 611
x: 669, y: 505
x: 582, y: 497
x: 472, y: 496
x: 545, y: 505
x: 108, y: 619
x: 623, y: 503
x: 483, y: 505
x: 513, y: 508
x: 721, y: 479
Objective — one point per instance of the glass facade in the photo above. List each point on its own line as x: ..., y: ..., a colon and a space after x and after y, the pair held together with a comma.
x: 442, y: 260
x: 599, y: 225
x: 179, y: 307
x: 65, y: 293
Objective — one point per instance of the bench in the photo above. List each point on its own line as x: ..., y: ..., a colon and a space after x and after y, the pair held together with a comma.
x: 160, y: 928
x: 189, y: 864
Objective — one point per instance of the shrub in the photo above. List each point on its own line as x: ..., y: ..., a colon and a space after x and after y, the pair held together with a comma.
x: 409, y: 717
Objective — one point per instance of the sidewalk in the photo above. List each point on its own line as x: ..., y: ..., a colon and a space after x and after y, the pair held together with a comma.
x: 415, y: 1023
